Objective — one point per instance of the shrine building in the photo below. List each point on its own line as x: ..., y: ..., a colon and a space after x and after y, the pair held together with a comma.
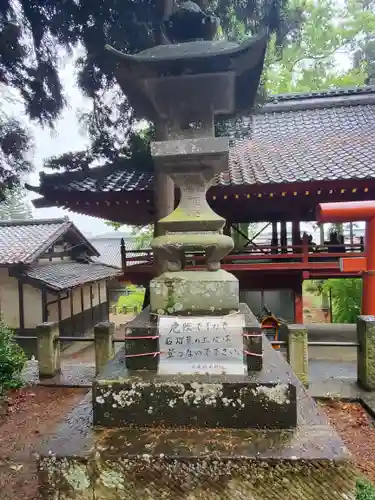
x: 300, y: 150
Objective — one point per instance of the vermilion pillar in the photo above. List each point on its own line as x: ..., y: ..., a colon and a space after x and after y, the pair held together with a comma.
x: 351, y: 212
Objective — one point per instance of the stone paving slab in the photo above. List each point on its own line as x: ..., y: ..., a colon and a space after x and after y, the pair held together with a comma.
x: 71, y: 375
x: 320, y: 372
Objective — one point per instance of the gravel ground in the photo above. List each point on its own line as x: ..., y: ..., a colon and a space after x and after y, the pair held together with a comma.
x: 34, y: 411
x: 31, y: 413
x: 357, y: 429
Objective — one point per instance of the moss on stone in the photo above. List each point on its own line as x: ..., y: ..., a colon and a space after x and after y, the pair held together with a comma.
x: 165, y: 478
x: 366, y: 352
x: 298, y: 351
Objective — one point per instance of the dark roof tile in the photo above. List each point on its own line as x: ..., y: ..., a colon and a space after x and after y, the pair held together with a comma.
x: 110, y: 252
x: 318, y: 136
x: 69, y: 274
x: 21, y: 242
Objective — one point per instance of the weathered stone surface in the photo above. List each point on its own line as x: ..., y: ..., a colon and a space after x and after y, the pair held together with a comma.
x: 103, y: 333
x: 193, y: 225
x: 197, y: 479
x: 262, y: 399
x: 48, y: 349
x: 145, y: 325
x: 366, y: 351
x: 191, y: 157
x: 298, y: 351
x: 310, y: 461
x: 171, y: 248
x: 206, y: 76
x: 194, y: 293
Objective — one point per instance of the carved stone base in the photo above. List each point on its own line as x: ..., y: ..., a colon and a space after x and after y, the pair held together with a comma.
x: 260, y: 399
x: 171, y: 248
x: 194, y: 293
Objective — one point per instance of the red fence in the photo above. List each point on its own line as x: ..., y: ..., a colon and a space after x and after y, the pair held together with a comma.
x: 263, y: 257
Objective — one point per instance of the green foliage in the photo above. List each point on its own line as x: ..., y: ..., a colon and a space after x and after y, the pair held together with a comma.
x: 130, y: 27
x: 144, y: 236
x: 133, y: 301
x: 329, y: 29
x: 15, y: 206
x: 32, y: 34
x: 12, y: 360
x: 336, y: 227
x: 346, y: 296
x: 114, y: 225
x: 365, y: 490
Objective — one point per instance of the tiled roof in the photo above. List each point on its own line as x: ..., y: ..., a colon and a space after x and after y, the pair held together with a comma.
x: 307, y: 145
x: 321, y: 136
x: 63, y: 275
x: 21, y: 242
x: 110, y: 251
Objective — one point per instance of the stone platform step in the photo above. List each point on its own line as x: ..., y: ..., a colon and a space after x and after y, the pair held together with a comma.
x: 261, y: 399
x: 309, y: 462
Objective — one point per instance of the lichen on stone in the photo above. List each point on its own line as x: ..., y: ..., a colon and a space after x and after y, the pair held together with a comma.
x: 277, y: 394
x: 76, y: 476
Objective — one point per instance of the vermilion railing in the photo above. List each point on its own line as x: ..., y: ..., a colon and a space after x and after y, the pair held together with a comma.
x: 296, y: 255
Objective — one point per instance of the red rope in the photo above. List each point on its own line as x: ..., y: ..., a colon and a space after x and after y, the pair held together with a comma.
x: 253, y: 354
x: 154, y: 354
x: 153, y: 337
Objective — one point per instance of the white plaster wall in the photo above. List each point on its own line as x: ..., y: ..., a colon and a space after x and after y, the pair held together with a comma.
x: 9, y: 307
x: 95, y: 295
x: 86, y: 297
x: 53, y: 311
x: 9, y: 302
x: 103, y: 292
x: 32, y: 306
x: 65, y: 308
x: 33, y: 314
x: 76, y: 301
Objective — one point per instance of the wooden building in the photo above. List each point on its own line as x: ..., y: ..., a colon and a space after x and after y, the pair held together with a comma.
x: 47, y: 273
x: 298, y: 150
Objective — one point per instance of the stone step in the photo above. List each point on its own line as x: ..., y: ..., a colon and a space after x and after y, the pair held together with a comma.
x: 308, y: 462
x: 231, y: 402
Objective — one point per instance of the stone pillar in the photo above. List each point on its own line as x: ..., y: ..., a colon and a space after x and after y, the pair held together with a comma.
x: 366, y: 352
x: 48, y: 349
x: 298, y: 302
x: 298, y: 351
x: 103, y: 334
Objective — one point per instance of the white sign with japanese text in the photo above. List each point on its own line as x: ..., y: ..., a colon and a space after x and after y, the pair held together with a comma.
x: 205, y: 344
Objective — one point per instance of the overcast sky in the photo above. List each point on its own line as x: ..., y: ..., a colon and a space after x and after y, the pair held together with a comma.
x: 68, y: 136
